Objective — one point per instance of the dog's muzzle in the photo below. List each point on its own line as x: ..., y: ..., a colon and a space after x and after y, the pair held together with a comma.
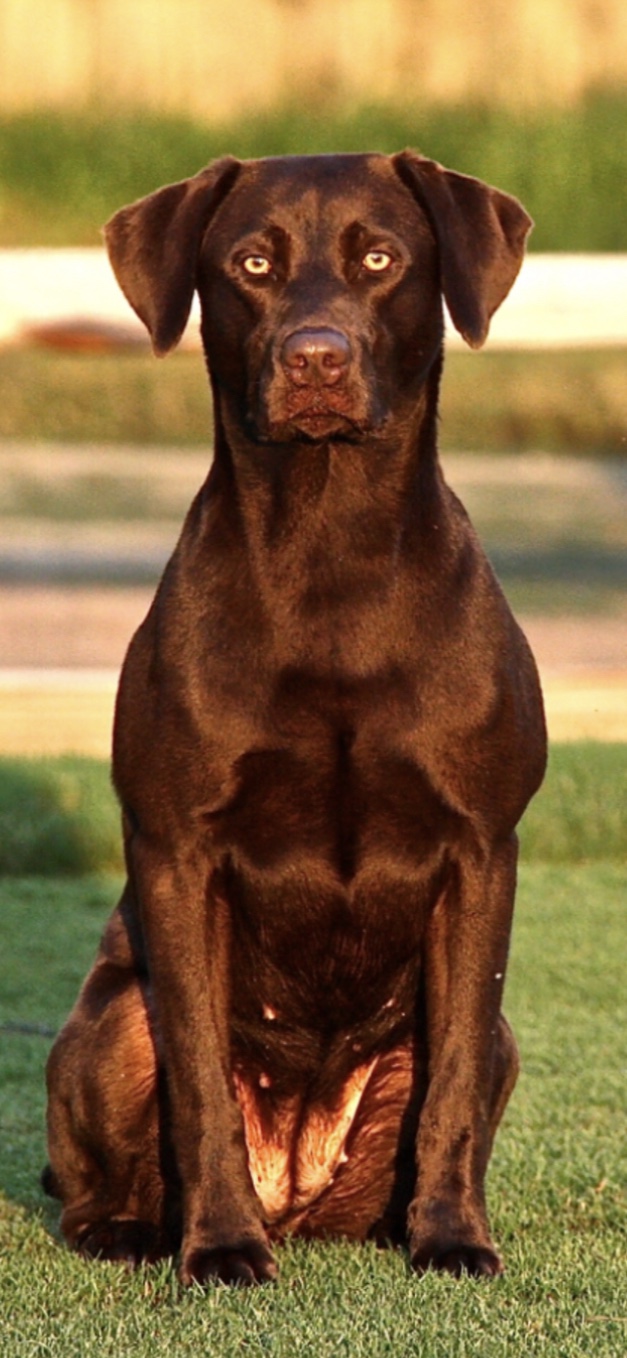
x: 317, y: 390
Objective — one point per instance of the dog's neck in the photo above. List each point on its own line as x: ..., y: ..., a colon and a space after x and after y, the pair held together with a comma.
x: 346, y: 509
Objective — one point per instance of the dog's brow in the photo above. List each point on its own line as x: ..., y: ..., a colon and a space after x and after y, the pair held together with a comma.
x: 277, y: 235
x: 266, y: 231
x: 358, y: 231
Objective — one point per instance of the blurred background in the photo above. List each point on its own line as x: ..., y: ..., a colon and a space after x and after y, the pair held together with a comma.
x: 102, y: 447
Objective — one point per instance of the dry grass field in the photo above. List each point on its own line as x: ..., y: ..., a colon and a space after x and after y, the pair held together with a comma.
x: 58, y: 710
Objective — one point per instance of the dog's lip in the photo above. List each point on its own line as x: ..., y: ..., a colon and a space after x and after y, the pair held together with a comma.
x: 319, y: 411
x: 315, y: 415
x: 314, y: 430
x: 320, y: 424
x: 313, y: 420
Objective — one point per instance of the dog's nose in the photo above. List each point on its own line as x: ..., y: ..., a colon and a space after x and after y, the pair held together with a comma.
x: 316, y: 358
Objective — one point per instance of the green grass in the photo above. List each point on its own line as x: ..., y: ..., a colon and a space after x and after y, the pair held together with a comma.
x: 563, y: 401
x: 580, y: 812
x: 59, y: 815
x: 63, y: 174
x: 556, y: 1184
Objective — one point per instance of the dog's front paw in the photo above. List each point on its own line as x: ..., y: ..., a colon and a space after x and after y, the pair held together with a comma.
x: 457, y: 1258
x: 453, y: 1240
x: 246, y: 1264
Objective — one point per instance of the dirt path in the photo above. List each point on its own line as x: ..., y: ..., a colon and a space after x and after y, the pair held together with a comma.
x: 62, y: 649
x: 78, y: 515
x: 87, y: 627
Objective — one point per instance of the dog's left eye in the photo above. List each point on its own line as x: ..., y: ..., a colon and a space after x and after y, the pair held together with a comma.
x: 257, y: 265
x: 377, y: 261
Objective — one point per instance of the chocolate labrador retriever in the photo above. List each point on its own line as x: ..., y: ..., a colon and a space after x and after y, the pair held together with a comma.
x: 326, y: 730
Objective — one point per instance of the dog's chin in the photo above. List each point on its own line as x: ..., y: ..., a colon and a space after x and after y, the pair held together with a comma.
x: 319, y: 429
x: 319, y: 426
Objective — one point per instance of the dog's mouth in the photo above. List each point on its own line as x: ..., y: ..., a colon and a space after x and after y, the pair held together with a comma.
x: 312, y: 427
x: 313, y: 420
x: 317, y: 421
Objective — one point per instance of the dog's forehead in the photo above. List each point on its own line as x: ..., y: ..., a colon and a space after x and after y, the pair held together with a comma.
x: 318, y: 191
x: 324, y: 173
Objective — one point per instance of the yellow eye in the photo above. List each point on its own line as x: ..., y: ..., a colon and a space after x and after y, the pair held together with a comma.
x: 377, y: 261
x: 257, y: 265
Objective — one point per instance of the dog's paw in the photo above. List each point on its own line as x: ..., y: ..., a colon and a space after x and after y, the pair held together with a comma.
x: 478, y: 1261
x: 121, y: 1242
x: 246, y: 1265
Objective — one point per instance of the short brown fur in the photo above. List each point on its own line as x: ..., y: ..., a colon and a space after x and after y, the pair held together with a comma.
x: 326, y: 730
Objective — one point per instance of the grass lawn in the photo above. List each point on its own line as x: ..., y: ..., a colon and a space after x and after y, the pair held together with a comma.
x: 557, y: 1174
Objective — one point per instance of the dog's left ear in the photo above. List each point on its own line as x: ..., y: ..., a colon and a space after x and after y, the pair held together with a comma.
x: 481, y: 236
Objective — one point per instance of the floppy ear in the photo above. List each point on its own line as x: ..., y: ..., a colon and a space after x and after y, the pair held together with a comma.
x: 153, y: 247
x: 481, y: 235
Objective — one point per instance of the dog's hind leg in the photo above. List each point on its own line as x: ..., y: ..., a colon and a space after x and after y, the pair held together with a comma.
x: 104, y: 1137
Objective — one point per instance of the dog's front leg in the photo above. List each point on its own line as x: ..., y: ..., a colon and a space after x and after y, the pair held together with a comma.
x: 472, y: 1063
x: 186, y: 928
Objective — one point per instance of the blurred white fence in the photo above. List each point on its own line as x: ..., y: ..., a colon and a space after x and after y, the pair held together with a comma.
x: 70, y: 298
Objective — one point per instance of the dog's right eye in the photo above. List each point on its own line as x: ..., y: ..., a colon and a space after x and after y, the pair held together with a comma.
x: 257, y: 266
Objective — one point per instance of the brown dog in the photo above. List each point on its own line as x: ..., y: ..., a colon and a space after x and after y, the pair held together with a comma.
x: 327, y: 729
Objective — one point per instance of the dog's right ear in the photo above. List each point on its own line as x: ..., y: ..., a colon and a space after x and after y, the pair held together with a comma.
x: 153, y: 247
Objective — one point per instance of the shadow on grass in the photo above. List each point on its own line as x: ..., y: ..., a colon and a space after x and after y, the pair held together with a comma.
x: 566, y: 579
x: 563, y: 565
x: 58, y: 817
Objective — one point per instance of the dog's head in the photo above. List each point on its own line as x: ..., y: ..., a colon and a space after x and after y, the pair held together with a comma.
x: 320, y: 280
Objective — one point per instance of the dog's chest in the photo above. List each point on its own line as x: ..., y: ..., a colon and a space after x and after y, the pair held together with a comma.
x: 331, y: 830
x: 340, y: 783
